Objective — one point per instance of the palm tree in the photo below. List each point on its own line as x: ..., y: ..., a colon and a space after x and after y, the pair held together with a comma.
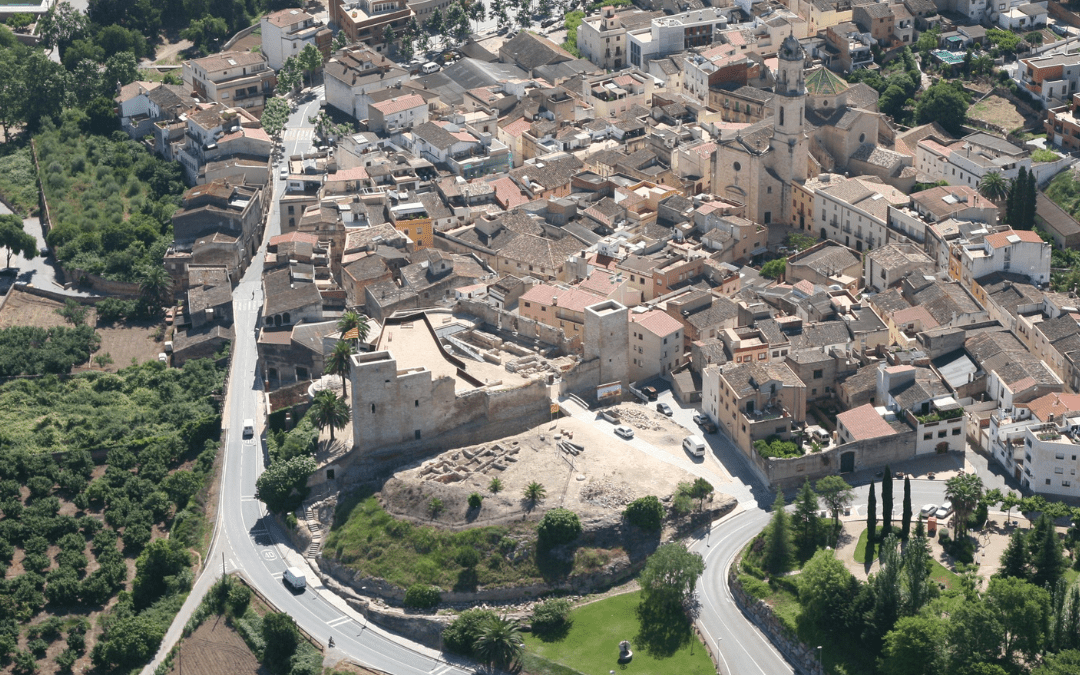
x: 994, y: 187
x: 499, y: 644
x: 330, y: 411
x: 340, y: 363
x: 154, y: 286
x: 964, y: 491
x: 534, y: 492
x: 352, y: 319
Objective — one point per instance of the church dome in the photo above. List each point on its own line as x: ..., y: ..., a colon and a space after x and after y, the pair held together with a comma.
x: 791, y: 50
x: 823, y: 82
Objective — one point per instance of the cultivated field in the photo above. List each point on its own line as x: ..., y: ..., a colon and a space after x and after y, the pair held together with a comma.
x: 216, y: 648
x: 122, y: 341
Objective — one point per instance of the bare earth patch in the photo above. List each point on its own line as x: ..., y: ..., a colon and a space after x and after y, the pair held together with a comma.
x: 999, y: 111
x: 216, y: 648
x: 596, y: 483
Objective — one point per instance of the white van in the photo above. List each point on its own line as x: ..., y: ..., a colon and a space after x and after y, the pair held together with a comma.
x: 294, y: 576
x: 249, y: 428
x: 695, y: 445
x: 429, y: 67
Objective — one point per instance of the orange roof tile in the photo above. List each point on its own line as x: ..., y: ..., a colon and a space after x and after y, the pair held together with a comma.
x: 656, y: 322
x: 1001, y: 239
x: 567, y: 298
x: 1057, y: 404
x: 864, y: 423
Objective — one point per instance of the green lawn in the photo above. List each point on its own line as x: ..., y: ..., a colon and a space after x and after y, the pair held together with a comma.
x: 943, y: 575
x: 592, y: 644
x: 860, y: 548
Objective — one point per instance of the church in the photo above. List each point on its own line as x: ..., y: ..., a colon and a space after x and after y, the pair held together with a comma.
x: 819, y: 123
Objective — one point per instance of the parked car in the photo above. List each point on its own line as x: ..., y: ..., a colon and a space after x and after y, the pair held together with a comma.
x: 664, y: 408
x: 650, y: 393
x: 700, y: 418
x: 624, y: 431
x: 708, y: 426
x: 249, y: 428
x: 283, y: 173
x: 944, y: 511
x: 928, y: 510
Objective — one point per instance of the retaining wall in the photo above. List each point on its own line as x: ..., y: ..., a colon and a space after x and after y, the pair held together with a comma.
x: 798, y: 654
x: 790, y: 473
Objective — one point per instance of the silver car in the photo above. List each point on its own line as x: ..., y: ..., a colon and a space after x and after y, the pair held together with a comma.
x: 624, y: 431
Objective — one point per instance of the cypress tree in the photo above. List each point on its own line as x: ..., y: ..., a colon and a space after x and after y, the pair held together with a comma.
x: 1016, y: 195
x: 778, y: 541
x: 1027, y: 220
x: 806, y: 520
x: 905, y: 523
x: 1050, y: 564
x: 886, y: 503
x: 871, y: 523
x: 1014, y: 559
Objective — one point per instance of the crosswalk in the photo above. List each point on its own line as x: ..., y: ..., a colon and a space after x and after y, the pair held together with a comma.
x: 299, y: 134
x: 247, y: 305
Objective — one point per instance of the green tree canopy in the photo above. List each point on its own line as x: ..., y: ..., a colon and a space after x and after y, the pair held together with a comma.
x: 945, y: 103
x: 774, y: 269
x: 915, y: 646
x: 281, y: 637
x: 282, y: 486
x: 836, y: 494
x: 824, y: 589
x: 670, y: 574
x: 14, y: 239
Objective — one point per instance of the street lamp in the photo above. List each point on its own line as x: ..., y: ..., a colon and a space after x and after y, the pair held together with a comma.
x: 820, y: 666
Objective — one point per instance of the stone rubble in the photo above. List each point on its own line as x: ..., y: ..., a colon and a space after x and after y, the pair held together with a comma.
x: 606, y: 494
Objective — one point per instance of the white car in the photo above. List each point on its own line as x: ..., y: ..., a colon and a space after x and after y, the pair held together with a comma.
x: 944, y: 511
x: 283, y: 172
x: 624, y: 431
x: 928, y: 510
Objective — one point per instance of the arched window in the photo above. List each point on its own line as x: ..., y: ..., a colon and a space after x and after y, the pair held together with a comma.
x: 277, y: 320
x: 781, y: 117
x: 285, y: 320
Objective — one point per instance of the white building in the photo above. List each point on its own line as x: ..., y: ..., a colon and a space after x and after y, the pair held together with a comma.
x: 397, y: 114
x: 602, y: 38
x: 285, y: 33
x: 352, y: 73
x: 855, y: 211
x: 1043, y: 455
x: 236, y: 79
x: 677, y: 33
x: 656, y: 344
x: 1016, y: 251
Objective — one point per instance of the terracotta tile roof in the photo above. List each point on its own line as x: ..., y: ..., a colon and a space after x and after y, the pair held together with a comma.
x: 1001, y: 239
x: 294, y: 237
x: 399, y: 104
x: 1057, y: 404
x: 912, y: 314
x: 600, y: 282
x: 567, y: 298
x: 517, y: 127
x: 936, y: 147
x: 804, y: 286
x: 355, y: 173
x: 288, y: 17
x: 656, y: 322
x: 508, y: 194
x: 864, y: 423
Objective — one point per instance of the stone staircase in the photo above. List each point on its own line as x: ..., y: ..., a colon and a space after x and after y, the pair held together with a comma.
x: 315, y: 527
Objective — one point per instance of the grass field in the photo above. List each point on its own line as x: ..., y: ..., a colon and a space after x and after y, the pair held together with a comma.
x: 860, y: 548
x: 997, y: 110
x: 592, y: 643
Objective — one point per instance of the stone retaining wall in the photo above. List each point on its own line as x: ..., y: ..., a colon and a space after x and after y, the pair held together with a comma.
x: 802, y: 657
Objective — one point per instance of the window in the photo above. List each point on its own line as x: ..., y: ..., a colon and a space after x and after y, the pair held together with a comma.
x: 291, y: 210
x: 927, y: 437
x: 528, y: 304
x: 1058, y: 470
x: 416, y: 403
x: 956, y: 432
x: 416, y: 434
x: 1047, y: 481
x: 813, y: 392
x: 1066, y: 483
x: 1059, y: 455
x: 372, y: 408
x: 817, y: 374
x: 942, y: 433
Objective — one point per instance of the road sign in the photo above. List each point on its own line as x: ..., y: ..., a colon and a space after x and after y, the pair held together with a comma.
x: 554, y: 408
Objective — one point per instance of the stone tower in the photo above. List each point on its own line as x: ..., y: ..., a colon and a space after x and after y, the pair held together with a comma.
x: 607, y: 338
x: 788, y: 159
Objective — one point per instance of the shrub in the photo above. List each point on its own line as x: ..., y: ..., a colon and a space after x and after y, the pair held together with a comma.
x: 755, y: 587
x: 461, y: 633
x: 239, y: 598
x: 558, y: 526
x: 66, y: 660
x: 475, y: 499
x: 645, y: 512
x: 435, y: 507
x: 467, y: 556
x: 1043, y: 155
x: 550, y: 617
x: 681, y: 504
x: 422, y: 596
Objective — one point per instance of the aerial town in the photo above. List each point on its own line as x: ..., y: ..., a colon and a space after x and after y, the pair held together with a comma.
x: 402, y: 337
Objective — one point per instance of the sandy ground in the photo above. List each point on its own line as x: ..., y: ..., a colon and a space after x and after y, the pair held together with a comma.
x: 598, y: 482
x: 997, y: 110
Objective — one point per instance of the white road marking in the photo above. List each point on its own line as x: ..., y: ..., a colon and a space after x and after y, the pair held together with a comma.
x: 269, y: 555
x: 334, y: 623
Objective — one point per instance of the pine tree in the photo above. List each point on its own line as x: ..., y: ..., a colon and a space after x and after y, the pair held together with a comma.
x: 1014, y: 558
x: 806, y: 519
x: 886, y: 503
x: 905, y: 523
x: 778, y: 540
x: 871, y: 523
x: 1050, y: 563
